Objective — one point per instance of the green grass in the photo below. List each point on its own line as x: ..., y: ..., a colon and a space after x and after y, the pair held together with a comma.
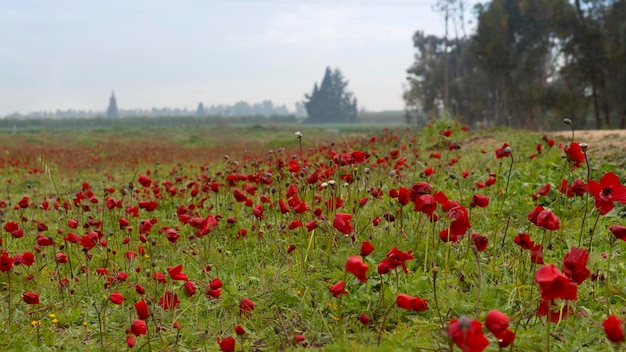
x: 291, y: 289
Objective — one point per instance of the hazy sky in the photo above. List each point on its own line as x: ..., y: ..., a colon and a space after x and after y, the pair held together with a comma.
x: 73, y: 53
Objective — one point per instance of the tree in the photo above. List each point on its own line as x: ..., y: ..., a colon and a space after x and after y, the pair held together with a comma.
x: 330, y: 102
x: 200, y: 110
x: 112, y: 111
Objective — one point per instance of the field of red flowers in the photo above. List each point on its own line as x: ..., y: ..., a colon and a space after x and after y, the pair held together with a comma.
x: 393, y: 239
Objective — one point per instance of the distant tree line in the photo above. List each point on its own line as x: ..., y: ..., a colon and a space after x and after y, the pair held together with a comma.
x: 528, y: 64
x: 239, y: 109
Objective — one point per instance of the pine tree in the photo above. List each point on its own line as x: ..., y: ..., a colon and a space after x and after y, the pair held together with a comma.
x: 112, y: 111
x: 330, y: 102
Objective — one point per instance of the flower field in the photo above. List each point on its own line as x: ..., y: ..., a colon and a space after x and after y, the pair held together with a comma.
x: 440, y: 239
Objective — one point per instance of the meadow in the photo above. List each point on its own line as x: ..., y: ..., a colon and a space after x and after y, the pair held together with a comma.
x: 335, y: 238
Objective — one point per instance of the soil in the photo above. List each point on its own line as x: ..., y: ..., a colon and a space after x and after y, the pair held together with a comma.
x: 601, y: 142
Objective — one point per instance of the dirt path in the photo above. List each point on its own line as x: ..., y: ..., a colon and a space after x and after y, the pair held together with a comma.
x: 603, y: 142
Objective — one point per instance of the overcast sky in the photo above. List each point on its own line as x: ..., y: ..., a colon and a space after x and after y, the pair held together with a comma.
x: 62, y: 54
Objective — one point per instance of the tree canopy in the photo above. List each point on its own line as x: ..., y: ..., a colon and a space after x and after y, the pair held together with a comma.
x: 331, y: 102
x: 529, y: 63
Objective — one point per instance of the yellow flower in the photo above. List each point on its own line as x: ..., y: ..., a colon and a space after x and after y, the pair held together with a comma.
x: 299, y: 293
x: 52, y: 315
x: 54, y: 321
x: 35, y: 322
x: 85, y: 323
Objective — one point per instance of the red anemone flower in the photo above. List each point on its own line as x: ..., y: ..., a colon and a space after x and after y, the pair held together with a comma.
x: 575, y: 265
x: 613, y: 329
x: 30, y: 298
x: 479, y: 200
x: 366, y: 248
x: 176, y: 273
x: 574, y: 154
x: 342, y: 223
x: 246, y: 306
x: 356, y: 266
x: 227, y: 344
x: 503, y: 152
x: 116, y: 298
x: 169, y: 301
x: 338, y: 289
x: 467, y: 334
x: 139, y: 327
x: 142, y: 310
x: 619, y: 231
x: 607, y: 191
x: 554, y: 284
x: 497, y: 322
x: 409, y: 302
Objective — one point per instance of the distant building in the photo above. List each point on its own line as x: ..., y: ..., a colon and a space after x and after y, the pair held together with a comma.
x: 112, y: 111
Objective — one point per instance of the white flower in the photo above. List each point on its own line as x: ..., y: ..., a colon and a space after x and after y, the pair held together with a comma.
x: 298, y: 134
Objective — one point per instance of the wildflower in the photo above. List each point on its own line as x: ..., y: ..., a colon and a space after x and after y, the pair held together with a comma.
x: 176, y: 273
x: 613, y: 329
x: 142, y: 310
x: 554, y: 284
x: 479, y: 241
x: 246, y: 306
x: 467, y: 334
x: 138, y: 327
x: 338, y: 289
x: 227, y: 344
x: 575, y: 265
x: 619, y: 231
x: 169, y: 301
x: 536, y: 254
x: 130, y: 341
x: 607, y: 191
x: 116, y: 298
x: 479, y: 200
x: 215, y: 284
x: 356, y: 266
x: 574, y: 154
x: 366, y: 249
x: 190, y: 288
x: 503, y: 152
x: 411, y: 303
x: 299, y: 338
x: 544, y: 218
x: 239, y: 330
x: 394, y: 259
x: 523, y: 240
x: 30, y: 298
x: 342, y: 223
x: 497, y: 322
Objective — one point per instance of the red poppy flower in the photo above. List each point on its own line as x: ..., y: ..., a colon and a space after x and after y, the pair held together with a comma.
x: 544, y: 218
x: 497, y: 322
x: 227, y: 344
x: 613, y: 328
x: 479, y: 200
x: 394, y: 259
x: 409, y: 302
x: 366, y: 248
x: 6, y: 262
x: 145, y: 181
x: 338, y: 289
x: 190, y: 288
x: 506, y: 338
x: 425, y: 203
x: 523, y: 240
x: 239, y: 330
x: 356, y: 266
x: 138, y: 327
x: 142, y: 310
x: 574, y: 154
x: 169, y: 301
x: 28, y: 258
x: 536, y: 254
x: 342, y: 223
x: 176, y: 273
x: 215, y: 284
x: 246, y: 306
x: 503, y: 152
x: 458, y: 227
x: 116, y: 298
x: 130, y: 341
x: 467, y: 334
x: 364, y: 319
x: 554, y: 284
x: 479, y: 241
x: 619, y: 231
x: 575, y: 265
x: 30, y: 298
x: 607, y: 191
